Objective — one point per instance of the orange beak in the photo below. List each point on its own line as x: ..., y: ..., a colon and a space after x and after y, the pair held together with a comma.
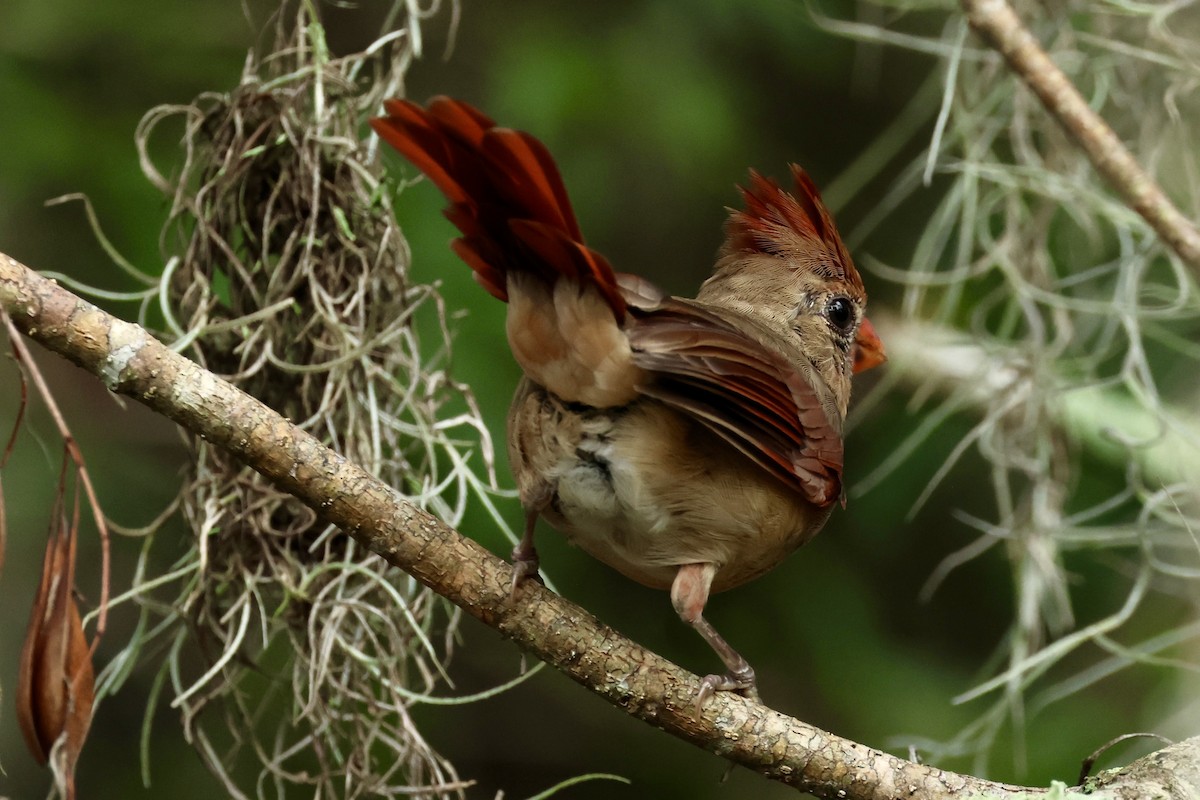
x: 868, y: 350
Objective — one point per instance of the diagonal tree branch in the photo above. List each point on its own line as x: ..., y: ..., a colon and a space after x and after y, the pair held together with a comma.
x: 999, y: 25
x: 646, y: 686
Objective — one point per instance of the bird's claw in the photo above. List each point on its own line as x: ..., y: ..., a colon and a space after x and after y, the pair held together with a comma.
x: 741, y: 681
x: 525, y: 565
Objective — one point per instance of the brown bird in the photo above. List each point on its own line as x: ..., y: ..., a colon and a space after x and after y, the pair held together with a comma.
x: 689, y: 444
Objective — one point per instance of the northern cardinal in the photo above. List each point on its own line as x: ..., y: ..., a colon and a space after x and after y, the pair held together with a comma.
x: 689, y: 444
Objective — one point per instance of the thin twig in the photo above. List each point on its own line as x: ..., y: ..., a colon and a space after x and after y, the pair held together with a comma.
x: 8, y: 450
x: 1085, y: 769
x: 997, y: 23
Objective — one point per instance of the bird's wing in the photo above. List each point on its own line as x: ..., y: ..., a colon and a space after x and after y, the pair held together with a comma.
x: 776, y: 410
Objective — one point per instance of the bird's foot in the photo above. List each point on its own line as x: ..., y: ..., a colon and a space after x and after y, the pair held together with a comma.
x: 525, y: 566
x: 740, y: 680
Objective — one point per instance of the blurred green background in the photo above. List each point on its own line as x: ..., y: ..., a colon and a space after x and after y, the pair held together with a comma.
x: 655, y: 110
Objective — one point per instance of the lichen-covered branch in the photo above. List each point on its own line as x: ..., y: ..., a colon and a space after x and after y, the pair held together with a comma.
x: 1173, y: 772
x: 999, y: 25
x: 646, y: 686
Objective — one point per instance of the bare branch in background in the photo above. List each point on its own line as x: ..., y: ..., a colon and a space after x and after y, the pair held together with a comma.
x: 999, y: 24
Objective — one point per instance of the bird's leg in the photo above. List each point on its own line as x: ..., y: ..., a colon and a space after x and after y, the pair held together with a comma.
x: 689, y: 594
x: 524, y: 555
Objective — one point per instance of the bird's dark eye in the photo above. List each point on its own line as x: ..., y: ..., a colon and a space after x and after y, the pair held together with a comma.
x: 840, y: 313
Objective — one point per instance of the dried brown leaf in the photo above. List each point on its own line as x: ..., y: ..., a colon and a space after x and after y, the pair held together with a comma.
x: 56, y: 684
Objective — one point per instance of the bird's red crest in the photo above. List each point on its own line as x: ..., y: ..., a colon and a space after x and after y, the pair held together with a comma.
x: 777, y: 223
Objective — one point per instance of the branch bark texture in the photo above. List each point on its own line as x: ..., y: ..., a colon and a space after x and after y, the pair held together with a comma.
x: 646, y: 686
x: 999, y: 25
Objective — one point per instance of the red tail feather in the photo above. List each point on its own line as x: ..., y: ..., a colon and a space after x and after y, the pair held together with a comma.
x: 506, y: 196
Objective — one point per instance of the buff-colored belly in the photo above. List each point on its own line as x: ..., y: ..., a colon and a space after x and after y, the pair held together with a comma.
x: 646, y: 490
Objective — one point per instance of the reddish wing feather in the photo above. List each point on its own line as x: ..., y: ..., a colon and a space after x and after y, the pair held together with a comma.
x: 746, y: 394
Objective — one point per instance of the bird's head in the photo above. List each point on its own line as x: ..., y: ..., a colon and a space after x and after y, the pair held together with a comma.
x: 784, y: 264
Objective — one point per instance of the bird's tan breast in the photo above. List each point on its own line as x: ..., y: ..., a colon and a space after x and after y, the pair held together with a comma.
x: 645, y: 490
